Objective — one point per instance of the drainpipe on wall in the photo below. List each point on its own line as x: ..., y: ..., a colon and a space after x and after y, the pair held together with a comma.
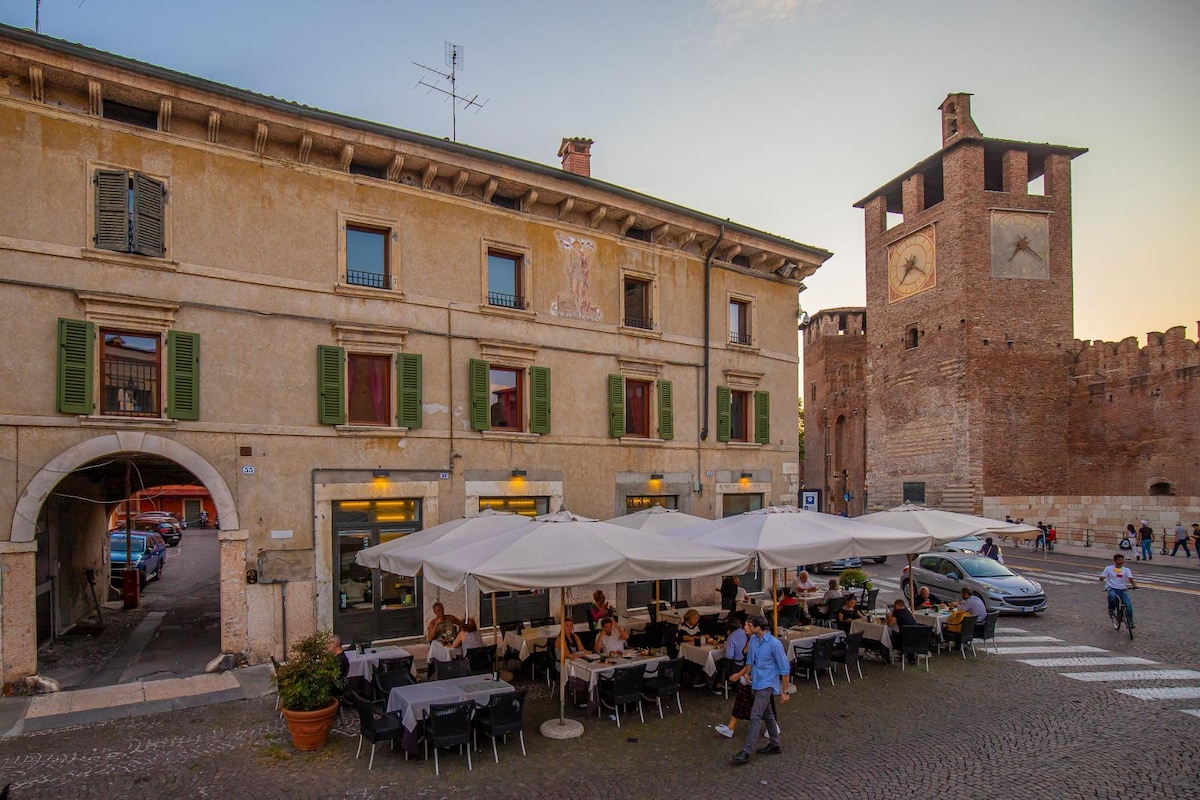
x: 707, y: 326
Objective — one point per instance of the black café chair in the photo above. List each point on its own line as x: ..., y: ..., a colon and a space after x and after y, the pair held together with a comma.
x: 541, y: 622
x: 501, y: 716
x: 833, y: 606
x: 680, y: 604
x: 711, y: 625
x: 819, y: 659
x: 915, y: 640
x: 664, y: 683
x: 964, y: 638
x: 448, y: 725
x: 458, y: 668
x: 481, y: 660
x: 624, y: 686
x: 374, y: 727
x: 989, y: 632
x: 384, y: 682
x: 868, y: 600
x: 848, y: 652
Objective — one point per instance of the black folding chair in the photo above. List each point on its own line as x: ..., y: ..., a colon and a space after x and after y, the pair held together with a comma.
x: 989, y: 631
x: 965, y: 637
x: 501, y: 716
x: 458, y: 668
x: 664, y: 683
x: 448, y: 725
x: 915, y: 640
x: 624, y: 686
x: 374, y: 727
x: 818, y: 659
x: 848, y: 652
x: 481, y: 660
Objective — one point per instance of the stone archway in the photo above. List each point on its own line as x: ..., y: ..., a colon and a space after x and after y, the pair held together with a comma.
x: 43, y: 483
x: 18, y: 640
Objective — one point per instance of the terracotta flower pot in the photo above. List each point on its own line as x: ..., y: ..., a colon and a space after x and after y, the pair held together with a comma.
x: 310, y: 729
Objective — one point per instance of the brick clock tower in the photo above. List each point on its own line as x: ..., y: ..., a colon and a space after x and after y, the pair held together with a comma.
x: 969, y: 303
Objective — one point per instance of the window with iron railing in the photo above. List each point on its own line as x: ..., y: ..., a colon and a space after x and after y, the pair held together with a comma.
x: 739, y: 322
x: 130, y: 371
x: 637, y: 312
x: 367, y: 257
x: 505, y: 280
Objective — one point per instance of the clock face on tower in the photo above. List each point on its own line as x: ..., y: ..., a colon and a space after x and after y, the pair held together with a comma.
x: 912, y: 265
x: 1020, y: 245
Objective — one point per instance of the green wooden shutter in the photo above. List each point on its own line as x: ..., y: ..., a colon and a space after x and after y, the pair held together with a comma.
x: 183, y: 375
x: 408, y: 368
x: 723, y: 415
x: 539, y: 409
x: 616, y: 406
x: 112, y: 210
x: 76, y: 360
x: 481, y: 412
x: 666, y: 411
x: 762, y: 417
x: 331, y: 385
x: 149, y: 198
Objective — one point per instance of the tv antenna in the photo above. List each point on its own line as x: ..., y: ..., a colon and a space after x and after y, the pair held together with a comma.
x: 454, y: 62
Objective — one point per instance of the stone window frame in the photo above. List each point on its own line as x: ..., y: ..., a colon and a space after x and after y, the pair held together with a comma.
x: 90, y: 250
x: 392, y: 260
x: 524, y: 256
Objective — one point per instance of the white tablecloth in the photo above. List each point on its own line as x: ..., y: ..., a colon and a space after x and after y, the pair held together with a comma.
x: 706, y: 656
x: 410, y: 702
x: 931, y: 618
x: 362, y: 665
x: 588, y: 670
x: 439, y: 652
x: 761, y: 607
x: 875, y: 631
x: 675, y: 615
x: 801, y: 639
x: 525, y: 642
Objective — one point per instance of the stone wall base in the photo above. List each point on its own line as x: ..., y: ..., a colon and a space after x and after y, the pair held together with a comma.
x: 1098, y: 520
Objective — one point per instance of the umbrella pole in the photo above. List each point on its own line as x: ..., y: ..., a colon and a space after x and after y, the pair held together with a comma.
x: 774, y: 601
x: 495, y: 625
x: 562, y: 658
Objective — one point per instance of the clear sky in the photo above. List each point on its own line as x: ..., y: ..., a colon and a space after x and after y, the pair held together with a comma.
x: 778, y: 114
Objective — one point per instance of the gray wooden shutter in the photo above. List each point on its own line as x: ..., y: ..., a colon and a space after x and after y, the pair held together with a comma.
x: 666, y: 411
x: 183, y: 375
x: 539, y: 408
x: 331, y: 385
x: 762, y: 417
x: 149, y: 199
x: 616, y: 406
x: 112, y: 210
x: 724, y: 417
x: 76, y: 364
x: 481, y: 411
x: 408, y: 368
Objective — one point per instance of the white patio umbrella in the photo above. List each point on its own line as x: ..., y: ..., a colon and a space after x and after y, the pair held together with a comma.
x: 783, y: 536
x: 564, y: 549
x: 657, y: 519
x: 406, y: 555
x: 942, y: 526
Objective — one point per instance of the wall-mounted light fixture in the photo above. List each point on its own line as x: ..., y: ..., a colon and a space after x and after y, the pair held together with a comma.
x: 381, y: 473
x: 518, y: 473
x: 656, y: 476
x: 747, y: 475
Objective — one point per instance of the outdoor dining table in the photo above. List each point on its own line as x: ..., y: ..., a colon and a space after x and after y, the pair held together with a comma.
x: 675, y: 615
x: 875, y: 631
x: 412, y: 701
x: 362, y: 665
x: 934, y: 618
x: 706, y: 656
x: 762, y: 606
x: 440, y: 652
x: 800, y: 639
x: 589, y: 669
x: 528, y: 641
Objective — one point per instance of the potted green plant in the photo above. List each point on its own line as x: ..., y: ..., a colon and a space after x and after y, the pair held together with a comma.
x: 309, y: 685
x: 854, y: 579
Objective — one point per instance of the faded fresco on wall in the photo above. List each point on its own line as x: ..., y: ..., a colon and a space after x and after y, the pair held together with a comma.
x: 575, y: 301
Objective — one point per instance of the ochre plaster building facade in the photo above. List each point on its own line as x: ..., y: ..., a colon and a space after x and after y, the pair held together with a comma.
x: 961, y: 385
x: 347, y: 332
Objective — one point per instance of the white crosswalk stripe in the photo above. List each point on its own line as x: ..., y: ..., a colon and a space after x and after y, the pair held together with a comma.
x: 1086, y: 661
x: 1000, y: 639
x: 1193, y: 711
x: 1166, y: 693
x: 1047, y: 649
x: 1135, y: 675
x: 1007, y: 629
x: 1069, y: 577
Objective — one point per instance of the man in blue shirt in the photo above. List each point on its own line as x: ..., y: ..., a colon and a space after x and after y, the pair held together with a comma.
x: 768, y: 667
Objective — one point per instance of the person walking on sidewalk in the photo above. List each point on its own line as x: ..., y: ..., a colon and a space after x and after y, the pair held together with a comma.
x: 1196, y: 538
x: 1181, y: 538
x: 768, y: 668
x: 1146, y: 539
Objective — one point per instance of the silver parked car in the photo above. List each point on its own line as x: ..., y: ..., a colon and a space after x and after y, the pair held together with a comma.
x: 999, y: 587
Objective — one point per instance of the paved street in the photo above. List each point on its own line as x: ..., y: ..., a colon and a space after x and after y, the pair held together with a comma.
x: 1070, y: 708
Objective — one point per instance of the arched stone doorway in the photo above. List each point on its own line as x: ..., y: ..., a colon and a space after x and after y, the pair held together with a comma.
x: 84, y: 473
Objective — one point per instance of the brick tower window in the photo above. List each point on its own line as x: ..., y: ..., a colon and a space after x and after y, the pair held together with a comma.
x: 912, y: 337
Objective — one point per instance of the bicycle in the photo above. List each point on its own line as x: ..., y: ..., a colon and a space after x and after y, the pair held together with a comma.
x: 1120, y: 616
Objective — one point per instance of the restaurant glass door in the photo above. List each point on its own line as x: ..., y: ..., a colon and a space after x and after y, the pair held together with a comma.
x: 732, y: 505
x: 513, y: 606
x: 638, y: 594
x: 373, y: 603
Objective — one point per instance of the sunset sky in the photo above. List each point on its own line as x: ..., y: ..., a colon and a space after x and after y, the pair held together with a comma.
x: 778, y: 114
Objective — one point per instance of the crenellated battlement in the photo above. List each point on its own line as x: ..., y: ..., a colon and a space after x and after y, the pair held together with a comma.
x: 1170, y: 355
x: 847, y: 321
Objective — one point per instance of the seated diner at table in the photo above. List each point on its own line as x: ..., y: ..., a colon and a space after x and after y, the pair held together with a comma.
x: 575, y: 648
x: 849, y: 611
x: 804, y: 583
x: 971, y: 604
x: 442, y: 624
x: 924, y: 599
x: 788, y: 600
x: 900, y: 615
x: 469, y: 637
x: 689, y: 629
x: 611, y: 638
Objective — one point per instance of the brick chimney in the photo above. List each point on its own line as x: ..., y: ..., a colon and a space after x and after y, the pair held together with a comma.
x: 576, y: 155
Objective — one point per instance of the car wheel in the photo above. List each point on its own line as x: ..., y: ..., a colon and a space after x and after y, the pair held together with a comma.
x: 904, y: 586
x: 143, y: 579
x: 158, y: 572
x: 881, y: 560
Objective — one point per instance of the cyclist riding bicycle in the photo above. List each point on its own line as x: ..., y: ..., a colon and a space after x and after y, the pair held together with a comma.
x: 1118, y: 580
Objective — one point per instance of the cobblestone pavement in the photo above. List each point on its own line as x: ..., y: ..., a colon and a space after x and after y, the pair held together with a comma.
x: 987, y: 727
